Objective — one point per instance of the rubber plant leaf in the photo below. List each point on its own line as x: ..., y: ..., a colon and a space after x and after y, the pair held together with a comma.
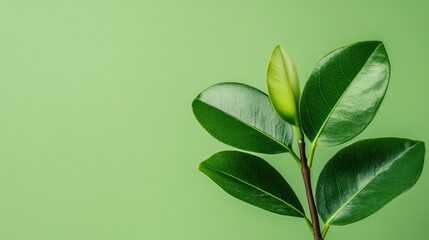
x: 242, y: 116
x: 283, y: 85
x: 252, y: 180
x: 363, y: 177
x: 344, y: 92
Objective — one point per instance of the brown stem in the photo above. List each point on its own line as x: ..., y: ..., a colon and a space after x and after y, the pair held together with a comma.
x: 307, y: 182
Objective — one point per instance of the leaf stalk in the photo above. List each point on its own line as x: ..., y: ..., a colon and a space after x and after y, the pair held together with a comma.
x: 298, y: 161
x: 325, y: 230
x: 309, y: 224
x: 311, y: 155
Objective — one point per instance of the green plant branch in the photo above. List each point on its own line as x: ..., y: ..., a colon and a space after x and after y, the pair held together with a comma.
x: 323, y: 104
x: 305, y: 170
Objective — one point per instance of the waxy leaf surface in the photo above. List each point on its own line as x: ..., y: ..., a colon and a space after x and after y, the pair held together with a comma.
x: 252, y: 180
x: 344, y: 92
x: 283, y: 85
x: 361, y: 178
x: 242, y: 116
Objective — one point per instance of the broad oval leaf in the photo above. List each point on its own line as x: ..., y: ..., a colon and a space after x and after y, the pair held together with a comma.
x: 252, y: 180
x: 344, y: 92
x: 283, y: 85
x: 361, y: 178
x: 242, y: 116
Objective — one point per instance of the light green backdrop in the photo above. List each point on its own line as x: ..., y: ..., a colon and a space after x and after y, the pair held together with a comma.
x: 97, y: 136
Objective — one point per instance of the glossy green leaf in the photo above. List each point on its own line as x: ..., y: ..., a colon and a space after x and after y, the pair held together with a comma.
x: 252, y: 180
x: 283, y: 85
x: 242, y: 116
x: 363, y: 177
x: 344, y: 92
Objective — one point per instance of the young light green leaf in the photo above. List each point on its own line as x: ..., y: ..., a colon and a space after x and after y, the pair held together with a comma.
x: 361, y: 178
x: 252, y: 180
x: 242, y: 116
x: 344, y: 93
x: 283, y: 85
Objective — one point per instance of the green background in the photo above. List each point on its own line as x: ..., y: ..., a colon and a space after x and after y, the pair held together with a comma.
x: 97, y: 136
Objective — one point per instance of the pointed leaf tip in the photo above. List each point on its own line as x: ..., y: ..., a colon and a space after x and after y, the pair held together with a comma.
x: 283, y: 85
